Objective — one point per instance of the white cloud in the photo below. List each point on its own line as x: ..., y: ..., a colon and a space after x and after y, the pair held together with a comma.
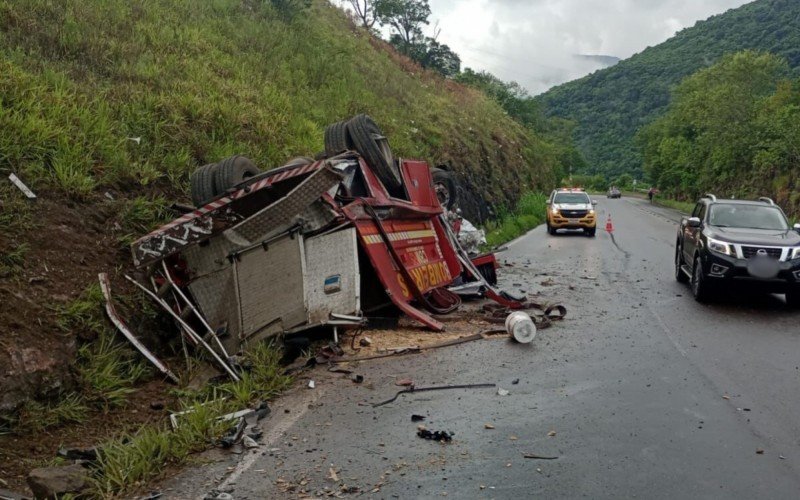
x: 534, y: 41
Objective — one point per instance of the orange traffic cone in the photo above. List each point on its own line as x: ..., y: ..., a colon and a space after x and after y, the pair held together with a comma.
x: 609, y: 225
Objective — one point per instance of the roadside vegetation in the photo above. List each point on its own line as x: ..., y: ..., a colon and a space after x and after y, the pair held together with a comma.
x: 530, y: 212
x: 732, y: 130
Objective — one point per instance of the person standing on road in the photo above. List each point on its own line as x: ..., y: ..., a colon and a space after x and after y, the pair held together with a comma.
x: 650, y: 193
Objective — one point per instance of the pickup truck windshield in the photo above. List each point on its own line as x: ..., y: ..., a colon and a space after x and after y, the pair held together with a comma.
x: 747, y: 217
x: 571, y: 198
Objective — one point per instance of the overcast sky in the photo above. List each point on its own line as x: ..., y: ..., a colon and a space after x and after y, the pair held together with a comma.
x: 533, y: 41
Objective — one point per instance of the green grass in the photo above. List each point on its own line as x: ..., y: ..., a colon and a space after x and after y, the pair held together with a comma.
x: 682, y: 206
x: 36, y: 417
x: 84, y: 315
x: 141, y: 215
x: 198, y: 81
x: 530, y: 212
x: 130, y: 460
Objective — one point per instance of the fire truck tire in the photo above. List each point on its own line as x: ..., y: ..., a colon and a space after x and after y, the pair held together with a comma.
x: 231, y: 172
x: 370, y: 143
x: 445, y: 185
x: 201, y: 184
x: 337, y: 138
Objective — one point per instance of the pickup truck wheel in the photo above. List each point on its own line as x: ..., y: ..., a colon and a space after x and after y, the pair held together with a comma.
x: 700, y: 287
x: 231, y: 172
x: 680, y: 276
x: 337, y: 139
x: 793, y: 299
x: 551, y: 230
x: 201, y: 184
x: 445, y: 186
x: 590, y: 232
x: 370, y: 143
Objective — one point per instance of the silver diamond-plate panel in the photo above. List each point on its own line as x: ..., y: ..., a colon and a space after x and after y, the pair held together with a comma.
x: 333, y: 258
x: 270, y: 285
x: 285, y: 209
x: 215, y: 296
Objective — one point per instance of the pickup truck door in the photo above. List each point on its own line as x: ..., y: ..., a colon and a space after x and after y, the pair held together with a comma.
x: 691, y: 235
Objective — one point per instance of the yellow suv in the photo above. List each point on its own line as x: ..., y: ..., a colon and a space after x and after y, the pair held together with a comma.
x: 571, y: 209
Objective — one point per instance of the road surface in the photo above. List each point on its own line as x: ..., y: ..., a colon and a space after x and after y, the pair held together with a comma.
x: 641, y: 392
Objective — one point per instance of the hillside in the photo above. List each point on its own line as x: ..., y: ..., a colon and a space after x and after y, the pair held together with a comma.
x: 107, y: 106
x: 611, y: 105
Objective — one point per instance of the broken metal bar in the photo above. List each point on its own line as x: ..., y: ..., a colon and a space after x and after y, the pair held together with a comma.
x: 538, y: 457
x: 434, y: 388
x: 22, y: 187
x: 190, y: 307
x: 105, y: 287
x: 415, y: 350
x: 186, y: 326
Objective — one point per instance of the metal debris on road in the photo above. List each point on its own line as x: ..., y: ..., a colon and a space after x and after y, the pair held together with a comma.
x: 441, y: 436
x: 488, y: 426
x: 417, y: 418
x: 521, y: 327
x: 538, y: 457
x: 502, y: 392
x: 434, y: 388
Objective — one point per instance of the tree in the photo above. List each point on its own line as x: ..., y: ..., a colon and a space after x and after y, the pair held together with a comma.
x: 406, y: 17
x: 439, y: 57
x: 365, y: 11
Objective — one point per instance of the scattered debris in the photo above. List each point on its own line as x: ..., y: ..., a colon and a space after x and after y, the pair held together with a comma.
x: 89, y: 454
x: 551, y: 434
x: 357, y: 378
x: 21, y: 186
x: 434, y: 388
x: 218, y: 495
x: 311, y: 384
x: 515, y: 381
x: 759, y: 451
x: 441, y: 436
x: 488, y: 426
x: 365, y: 342
x: 332, y: 475
x: 105, y: 287
x: 55, y: 482
x: 417, y: 418
x: 726, y: 397
x: 538, y: 457
x: 157, y: 405
x: 404, y: 382
x: 521, y: 327
x: 502, y: 392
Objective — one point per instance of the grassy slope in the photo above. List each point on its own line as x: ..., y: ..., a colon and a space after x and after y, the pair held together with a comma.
x: 201, y: 80
x: 612, y: 104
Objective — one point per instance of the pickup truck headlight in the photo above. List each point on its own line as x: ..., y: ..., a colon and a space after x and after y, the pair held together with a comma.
x: 720, y: 247
x: 555, y: 210
x: 795, y: 253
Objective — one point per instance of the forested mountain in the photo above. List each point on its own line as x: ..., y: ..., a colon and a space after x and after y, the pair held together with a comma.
x: 611, y: 105
x: 732, y: 129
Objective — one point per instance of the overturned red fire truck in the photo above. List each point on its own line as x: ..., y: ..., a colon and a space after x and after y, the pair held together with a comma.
x: 312, y: 243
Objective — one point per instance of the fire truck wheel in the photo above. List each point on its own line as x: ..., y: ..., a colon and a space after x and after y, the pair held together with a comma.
x: 445, y: 185
x: 232, y: 171
x: 337, y: 138
x: 370, y: 143
x: 202, y: 184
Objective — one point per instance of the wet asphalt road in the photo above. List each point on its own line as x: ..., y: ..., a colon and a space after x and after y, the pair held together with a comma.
x: 648, y: 394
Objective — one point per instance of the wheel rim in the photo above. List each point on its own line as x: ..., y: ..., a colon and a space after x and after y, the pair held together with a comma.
x: 442, y: 194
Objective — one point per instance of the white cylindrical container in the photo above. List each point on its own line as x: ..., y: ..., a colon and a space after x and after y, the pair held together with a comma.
x: 521, y: 327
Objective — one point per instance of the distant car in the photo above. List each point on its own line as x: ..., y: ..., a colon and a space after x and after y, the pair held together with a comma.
x: 614, y: 193
x: 730, y: 242
x: 571, y: 209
